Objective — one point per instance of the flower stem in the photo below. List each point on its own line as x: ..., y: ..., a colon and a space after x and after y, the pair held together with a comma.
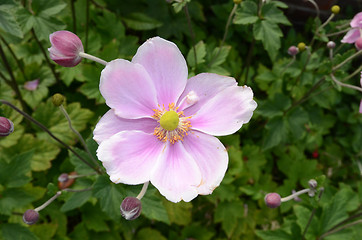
x: 290, y: 197
x: 347, y: 60
x: 73, y: 16
x: 14, y: 56
x: 312, y: 214
x: 44, y: 205
x: 345, y: 84
x: 186, y: 9
x: 93, y: 58
x: 143, y: 191
x: 78, y: 134
x: 86, y: 25
x: 27, y: 116
x: 337, y: 33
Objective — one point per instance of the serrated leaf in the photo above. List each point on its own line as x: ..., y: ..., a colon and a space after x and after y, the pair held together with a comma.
x: 228, y: 214
x: 200, y: 49
x: 140, y: 21
x: 278, y: 234
x: 219, y: 56
x: 13, y: 171
x: 271, y: 13
x: 91, y: 86
x: 16, y: 231
x: 94, y: 218
x: 247, y: 14
x: 44, y: 231
x: 152, y: 207
x: 109, y: 197
x: 149, y: 234
x: 76, y: 200
x: 276, y: 132
x: 269, y: 34
x: 275, y: 106
x: 297, y: 120
x: 179, y: 213
x: 8, y: 24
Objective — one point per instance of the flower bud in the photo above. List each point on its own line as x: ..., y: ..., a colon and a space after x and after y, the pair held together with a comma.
x: 63, y: 177
x: 66, y: 183
x: 272, y: 200
x: 301, y: 46
x: 331, y: 45
x: 237, y: 1
x: 293, y: 50
x: 335, y: 9
x: 58, y: 99
x: 131, y: 208
x: 358, y: 44
x: 31, y: 85
x: 65, y: 48
x: 312, y: 183
x: 30, y: 216
x: 6, y: 127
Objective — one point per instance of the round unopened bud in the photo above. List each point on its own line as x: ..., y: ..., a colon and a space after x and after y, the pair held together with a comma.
x: 331, y: 45
x: 272, y: 200
x: 312, y: 183
x: 6, y: 127
x: 335, y: 9
x: 58, y: 99
x: 358, y: 44
x: 66, y: 183
x: 293, y: 50
x: 30, y: 216
x: 131, y: 208
x: 301, y: 46
x: 237, y: 1
x: 63, y: 177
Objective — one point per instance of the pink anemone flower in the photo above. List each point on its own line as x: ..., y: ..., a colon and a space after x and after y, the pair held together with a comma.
x: 160, y: 126
x: 356, y: 32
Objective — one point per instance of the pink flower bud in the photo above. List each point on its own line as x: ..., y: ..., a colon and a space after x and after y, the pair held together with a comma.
x: 65, y: 49
x: 358, y: 44
x: 6, y: 127
x: 312, y: 183
x: 131, y: 208
x: 272, y: 200
x: 31, y: 85
x: 64, y: 177
x: 293, y: 50
x: 30, y: 216
x: 331, y: 45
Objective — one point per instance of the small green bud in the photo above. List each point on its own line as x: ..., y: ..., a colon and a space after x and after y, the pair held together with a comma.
x: 335, y: 9
x: 237, y: 1
x: 301, y: 46
x: 58, y: 99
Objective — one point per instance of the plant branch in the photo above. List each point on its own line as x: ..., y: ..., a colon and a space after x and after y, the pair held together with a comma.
x: 186, y: 9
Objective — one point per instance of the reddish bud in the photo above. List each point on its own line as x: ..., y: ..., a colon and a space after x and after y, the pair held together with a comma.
x: 131, y: 208
x: 6, y: 127
x: 65, y: 49
x: 315, y: 154
x: 331, y: 45
x: 272, y: 200
x: 293, y: 50
x: 67, y: 183
x: 30, y: 216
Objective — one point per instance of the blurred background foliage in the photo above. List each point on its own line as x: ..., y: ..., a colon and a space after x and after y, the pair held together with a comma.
x: 305, y: 125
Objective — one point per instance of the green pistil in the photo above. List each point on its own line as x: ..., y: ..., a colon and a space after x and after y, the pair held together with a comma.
x: 169, y: 120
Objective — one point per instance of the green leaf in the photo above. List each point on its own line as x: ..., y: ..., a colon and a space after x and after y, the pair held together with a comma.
x: 278, y: 234
x: 109, y: 197
x: 14, y: 172
x: 247, y: 14
x: 55, y: 121
x: 16, y: 231
x: 152, y: 207
x: 269, y: 34
x: 179, y: 213
x: 276, y: 132
x: 93, y: 218
x: 303, y: 215
x: 297, y: 120
x: 228, y: 213
x: 271, y: 13
x: 140, y: 21
x: 275, y: 106
x: 47, y: 7
x: 8, y: 24
x: 219, y: 56
x: 91, y: 87
x: 149, y: 234
x: 200, y: 54
x: 76, y: 200
x: 44, y: 231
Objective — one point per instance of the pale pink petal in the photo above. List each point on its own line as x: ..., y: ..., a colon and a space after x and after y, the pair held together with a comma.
x: 357, y: 21
x: 211, y: 157
x: 130, y: 156
x: 351, y: 36
x: 226, y: 112
x: 205, y: 86
x: 128, y: 89
x: 111, y: 124
x: 176, y: 175
x: 360, y: 107
x: 166, y: 66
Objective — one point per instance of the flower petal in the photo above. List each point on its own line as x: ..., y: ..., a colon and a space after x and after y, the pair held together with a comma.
x: 110, y: 124
x: 351, y: 36
x: 176, y: 175
x: 166, y: 66
x: 357, y: 21
x: 226, y: 112
x: 130, y: 156
x: 128, y: 89
x: 205, y: 86
x: 211, y: 157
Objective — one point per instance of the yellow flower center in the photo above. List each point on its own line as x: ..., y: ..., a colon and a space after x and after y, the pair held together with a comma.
x: 173, y: 124
x: 169, y: 120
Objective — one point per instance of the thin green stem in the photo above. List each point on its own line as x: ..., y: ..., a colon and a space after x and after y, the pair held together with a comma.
x: 347, y: 60
x: 340, y: 228
x: 78, y: 134
x: 44, y: 128
x: 248, y: 60
x: 86, y: 25
x: 51, y: 66
x: 337, y: 33
x: 13, y: 84
x: 93, y: 58
x: 344, y: 84
x: 296, y: 194
x: 188, y: 17
x: 225, y: 33
x: 14, y: 56
x: 143, y: 190
x: 73, y: 16
x: 312, y: 214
